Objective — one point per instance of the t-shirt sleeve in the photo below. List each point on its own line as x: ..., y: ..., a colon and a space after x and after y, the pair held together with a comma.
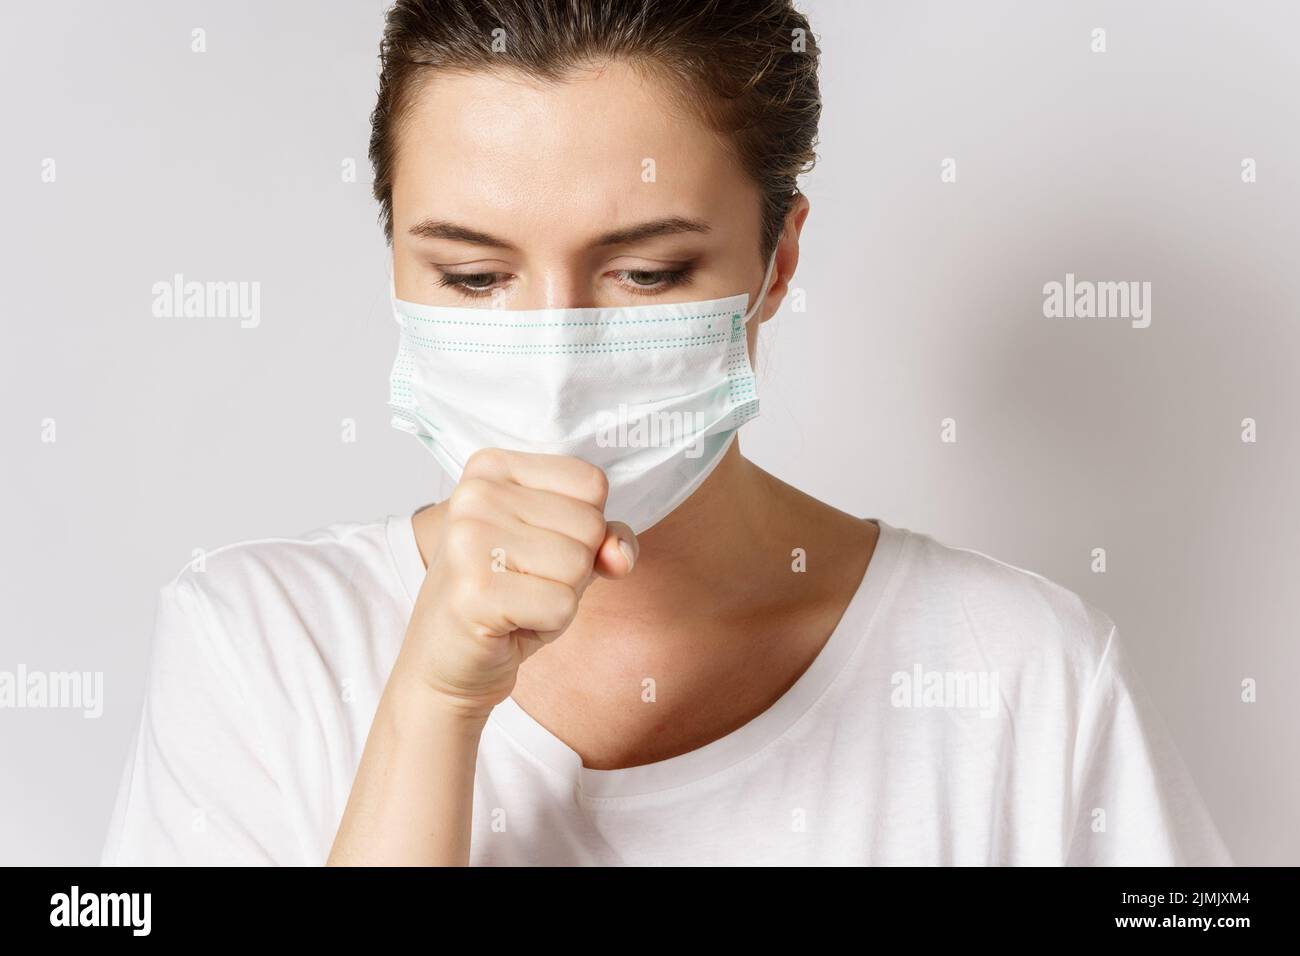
x: 1134, y: 801
x: 198, y: 787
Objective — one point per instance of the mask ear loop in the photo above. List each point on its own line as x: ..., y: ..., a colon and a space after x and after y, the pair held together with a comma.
x: 762, y: 294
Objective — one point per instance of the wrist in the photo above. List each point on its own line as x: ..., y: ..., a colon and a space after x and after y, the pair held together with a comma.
x: 414, y: 703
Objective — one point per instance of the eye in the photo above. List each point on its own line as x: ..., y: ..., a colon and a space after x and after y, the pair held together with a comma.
x: 471, y: 284
x: 650, y: 281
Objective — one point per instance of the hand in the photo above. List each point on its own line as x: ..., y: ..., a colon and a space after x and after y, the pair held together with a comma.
x: 521, y: 538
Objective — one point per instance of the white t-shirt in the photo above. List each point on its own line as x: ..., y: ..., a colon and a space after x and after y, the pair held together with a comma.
x: 963, y: 712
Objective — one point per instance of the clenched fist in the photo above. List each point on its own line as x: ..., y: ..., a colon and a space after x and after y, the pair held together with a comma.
x: 520, y: 538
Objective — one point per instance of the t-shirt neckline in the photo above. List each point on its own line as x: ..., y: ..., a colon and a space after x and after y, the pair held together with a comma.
x: 742, y: 744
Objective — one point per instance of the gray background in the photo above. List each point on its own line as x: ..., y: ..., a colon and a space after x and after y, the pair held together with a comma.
x: 923, y: 302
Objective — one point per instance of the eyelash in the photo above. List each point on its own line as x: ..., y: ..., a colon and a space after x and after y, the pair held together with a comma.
x: 664, y: 279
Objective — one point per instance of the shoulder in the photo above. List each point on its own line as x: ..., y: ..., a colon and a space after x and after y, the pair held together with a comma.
x: 267, y: 658
x: 273, y: 599
x: 263, y: 570
x: 1012, y: 618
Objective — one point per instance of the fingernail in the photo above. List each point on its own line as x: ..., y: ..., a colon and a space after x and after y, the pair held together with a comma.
x: 627, y: 553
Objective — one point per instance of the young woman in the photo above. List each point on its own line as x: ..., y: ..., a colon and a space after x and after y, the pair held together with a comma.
x: 618, y: 641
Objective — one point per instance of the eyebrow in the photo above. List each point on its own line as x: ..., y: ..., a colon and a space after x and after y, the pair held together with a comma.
x: 651, y: 229
x: 670, y: 226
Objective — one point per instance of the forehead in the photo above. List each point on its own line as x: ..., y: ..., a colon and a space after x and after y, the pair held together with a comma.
x: 605, y: 146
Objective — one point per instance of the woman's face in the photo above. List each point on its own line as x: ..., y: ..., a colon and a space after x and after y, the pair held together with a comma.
x: 520, y: 194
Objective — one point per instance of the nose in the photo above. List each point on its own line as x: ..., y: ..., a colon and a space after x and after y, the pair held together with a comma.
x: 553, y: 285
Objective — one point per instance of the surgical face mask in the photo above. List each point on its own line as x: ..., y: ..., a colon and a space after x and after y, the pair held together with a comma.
x: 653, y: 395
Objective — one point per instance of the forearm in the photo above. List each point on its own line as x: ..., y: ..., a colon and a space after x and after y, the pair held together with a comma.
x: 413, y: 797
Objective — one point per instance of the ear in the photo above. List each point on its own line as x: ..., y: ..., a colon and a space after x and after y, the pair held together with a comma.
x: 787, y: 257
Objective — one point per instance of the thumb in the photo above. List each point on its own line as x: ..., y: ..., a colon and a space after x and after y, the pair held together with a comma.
x: 617, y: 554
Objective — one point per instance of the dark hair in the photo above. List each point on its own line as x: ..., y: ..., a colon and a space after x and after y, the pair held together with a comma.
x: 749, y: 67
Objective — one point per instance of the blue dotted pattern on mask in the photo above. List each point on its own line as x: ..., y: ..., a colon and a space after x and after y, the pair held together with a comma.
x: 742, y: 393
x: 575, y: 348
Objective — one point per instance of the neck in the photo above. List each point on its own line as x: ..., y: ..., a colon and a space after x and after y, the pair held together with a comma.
x: 707, y: 557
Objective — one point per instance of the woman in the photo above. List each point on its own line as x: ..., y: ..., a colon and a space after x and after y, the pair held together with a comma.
x: 618, y: 641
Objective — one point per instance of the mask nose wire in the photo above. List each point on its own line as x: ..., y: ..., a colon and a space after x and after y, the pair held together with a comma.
x: 762, y: 292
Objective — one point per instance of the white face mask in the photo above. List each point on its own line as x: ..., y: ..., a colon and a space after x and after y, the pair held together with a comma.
x: 653, y: 395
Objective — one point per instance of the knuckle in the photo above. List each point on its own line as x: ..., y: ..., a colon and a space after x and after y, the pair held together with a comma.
x: 596, y: 482
x: 577, y: 562
x: 464, y: 542
x: 484, y: 460
x: 470, y: 495
x: 565, y: 608
x: 590, y: 529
